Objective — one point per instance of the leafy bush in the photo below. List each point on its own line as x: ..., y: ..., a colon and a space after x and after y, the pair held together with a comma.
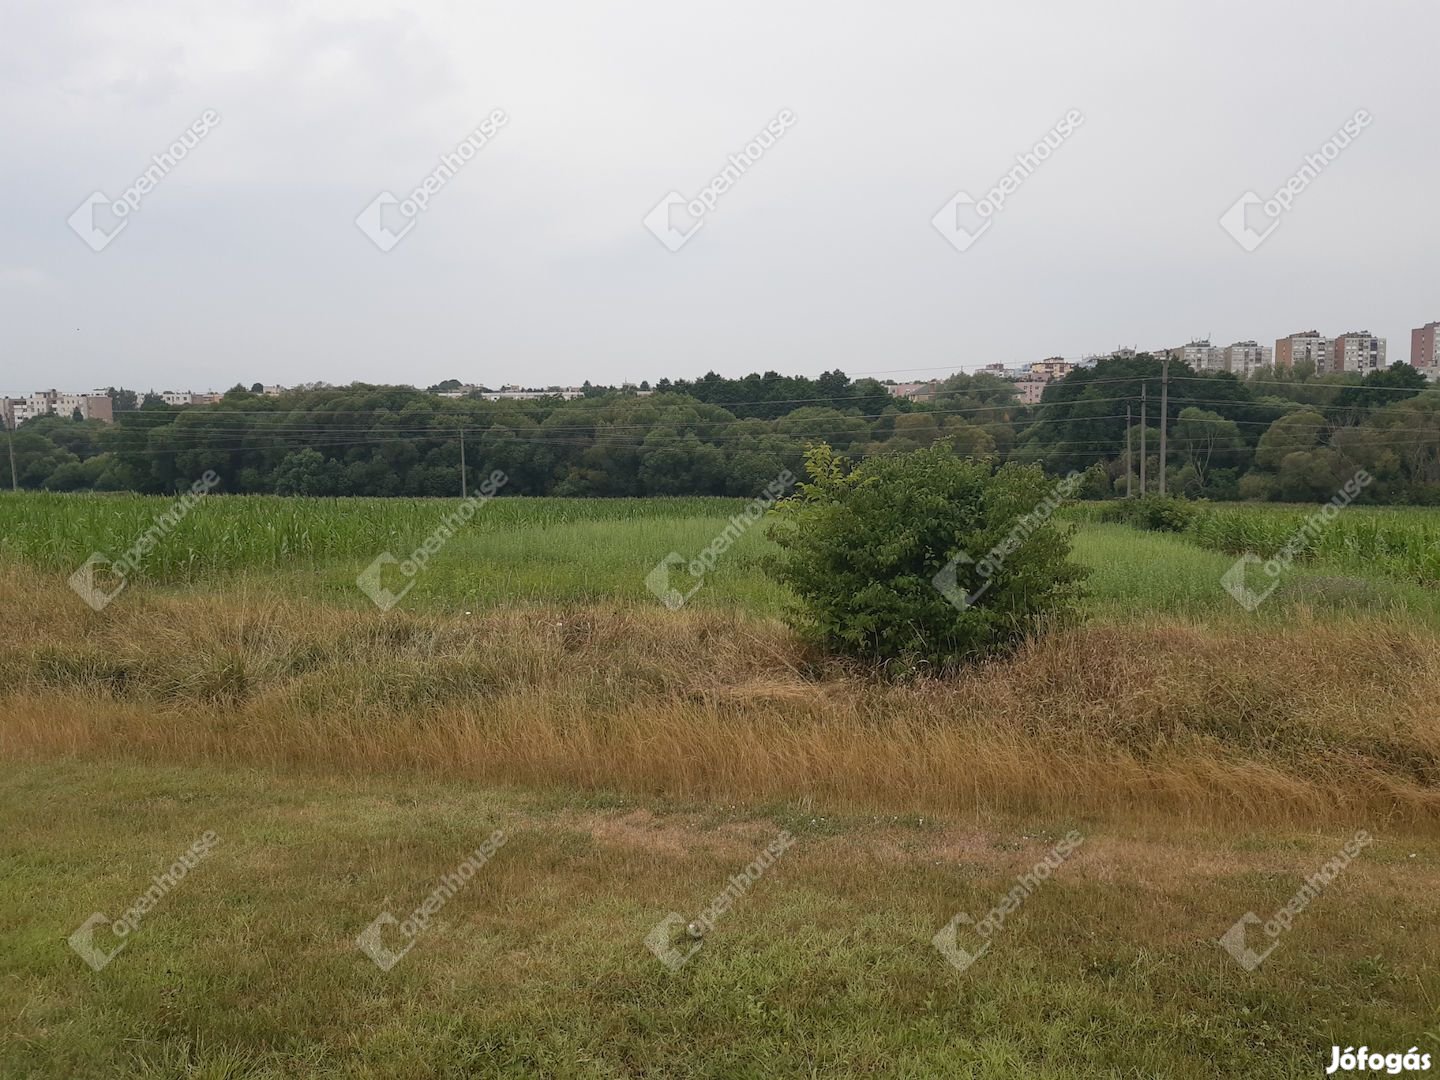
x: 1163, y: 513
x: 861, y: 551
x: 1156, y: 513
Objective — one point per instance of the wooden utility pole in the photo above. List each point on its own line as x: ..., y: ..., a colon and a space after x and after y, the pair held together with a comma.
x: 1164, y: 415
x: 1127, y: 451
x: 463, y: 492
x: 1142, y: 438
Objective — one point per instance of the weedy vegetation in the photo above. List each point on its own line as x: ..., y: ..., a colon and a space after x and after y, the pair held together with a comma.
x: 638, y: 757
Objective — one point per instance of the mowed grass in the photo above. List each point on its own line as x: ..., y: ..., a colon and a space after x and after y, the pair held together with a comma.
x: 249, y: 969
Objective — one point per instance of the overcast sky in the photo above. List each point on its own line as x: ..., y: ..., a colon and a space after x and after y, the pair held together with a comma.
x: 533, y: 265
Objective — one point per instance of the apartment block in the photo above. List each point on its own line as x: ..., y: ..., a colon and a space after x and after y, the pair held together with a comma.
x: 1056, y: 367
x: 1356, y: 351
x: 1031, y: 388
x: 1246, y: 357
x: 1201, y: 355
x: 1004, y: 371
x: 92, y: 406
x: 520, y: 393
x: 915, y: 391
x: 181, y: 398
x: 1425, y: 349
x: 1308, y: 345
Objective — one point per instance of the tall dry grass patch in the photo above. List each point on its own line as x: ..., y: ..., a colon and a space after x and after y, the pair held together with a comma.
x: 1323, y: 721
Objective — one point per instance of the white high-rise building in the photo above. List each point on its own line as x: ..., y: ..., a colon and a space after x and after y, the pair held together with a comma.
x: 1358, y: 351
x: 1245, y: 357
x: 1201, y: 355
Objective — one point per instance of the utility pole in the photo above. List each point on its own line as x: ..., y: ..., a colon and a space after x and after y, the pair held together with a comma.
x: 1164, y: 416
x: 1142, y: 438
x: 463, y: 492
x: 1127, y: 451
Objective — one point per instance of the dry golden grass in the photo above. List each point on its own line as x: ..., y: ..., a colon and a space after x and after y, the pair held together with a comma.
x: 1325, y: 721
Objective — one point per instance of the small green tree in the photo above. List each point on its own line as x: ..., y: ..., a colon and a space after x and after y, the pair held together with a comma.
x: 924, y: 556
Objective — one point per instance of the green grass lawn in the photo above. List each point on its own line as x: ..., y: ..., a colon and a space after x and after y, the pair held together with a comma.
x: 249, y: 967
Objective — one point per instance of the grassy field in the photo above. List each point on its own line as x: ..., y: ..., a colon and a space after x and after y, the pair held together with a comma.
x: 825, y: 968
x: 1211, y: 759
x: 512, y: 550
x: 599, y: 551
x: 1401, y: 543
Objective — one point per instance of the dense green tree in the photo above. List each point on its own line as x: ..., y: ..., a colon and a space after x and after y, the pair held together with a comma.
x: 1228, y: 438
x: 1381, y: 388
x: 308, y: 472
x: 1205, y: 440
x: 122, y: 400
x: 1295, y: 431
x: 1312, y: 475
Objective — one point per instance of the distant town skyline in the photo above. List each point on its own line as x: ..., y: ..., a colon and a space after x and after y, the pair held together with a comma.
x: 1421, y: 340
x: 1351, y: 352
x: 401, y: 194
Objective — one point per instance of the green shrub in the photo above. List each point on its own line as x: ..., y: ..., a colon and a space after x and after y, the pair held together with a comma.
x: 924, y: 556
x: 1162, y: 513
x: 1156, y: 513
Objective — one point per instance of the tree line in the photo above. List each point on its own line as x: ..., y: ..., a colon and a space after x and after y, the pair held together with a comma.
x: 1281, y: 434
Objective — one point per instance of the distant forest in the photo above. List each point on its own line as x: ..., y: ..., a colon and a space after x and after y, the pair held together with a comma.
x: 1280, y: 435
